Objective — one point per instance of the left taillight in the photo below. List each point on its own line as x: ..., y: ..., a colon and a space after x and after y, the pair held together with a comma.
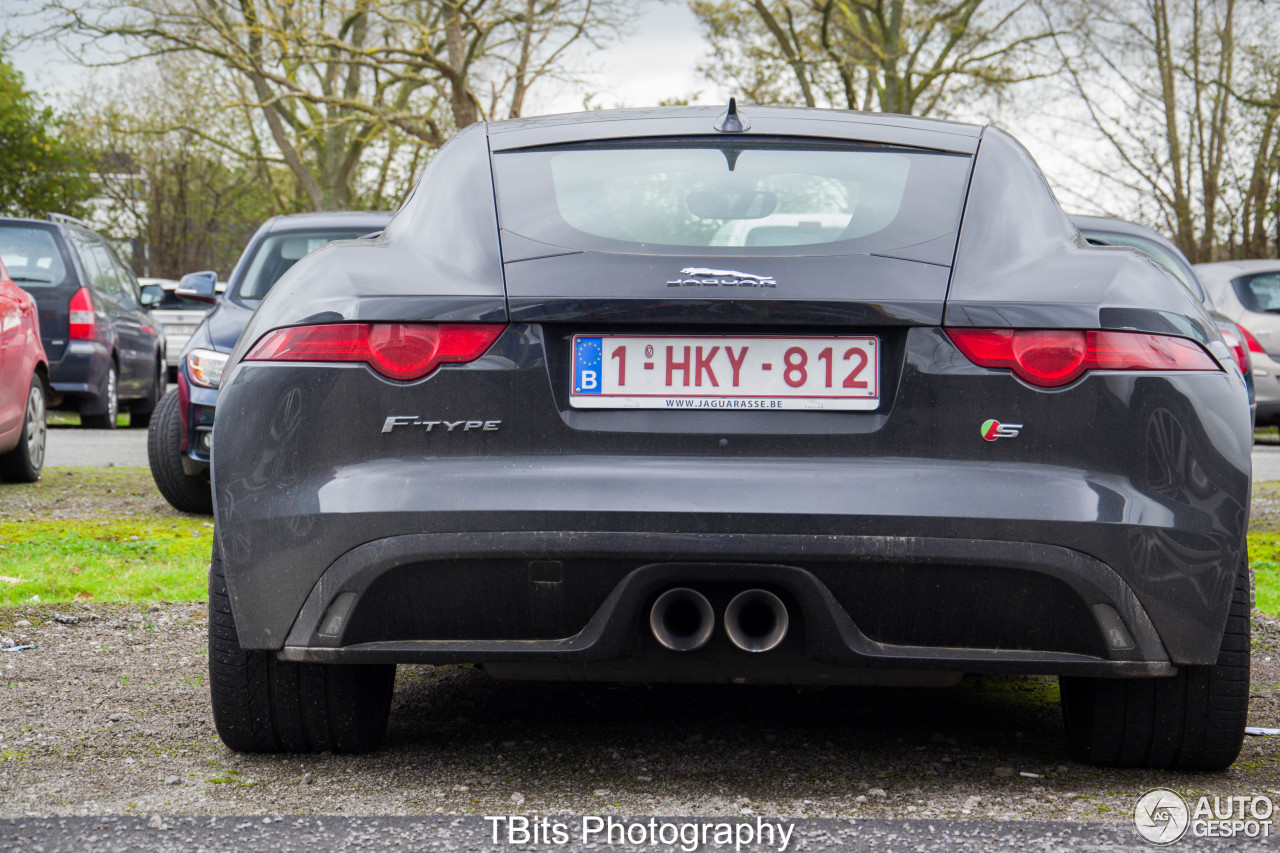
x: 80, y: 316
x: 401, y: 351
x: 1235, y: 339
x: 1053, y: 357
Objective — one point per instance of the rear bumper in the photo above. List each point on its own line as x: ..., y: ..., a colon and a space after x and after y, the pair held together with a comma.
x: 1123, y: 491
x: 856, y: 601
x: 989, y: 567
x: 81, y: 371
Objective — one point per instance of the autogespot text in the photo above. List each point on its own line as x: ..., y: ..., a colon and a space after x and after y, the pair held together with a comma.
x: 686, y: 835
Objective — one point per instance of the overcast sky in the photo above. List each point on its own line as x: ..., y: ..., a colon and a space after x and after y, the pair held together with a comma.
x: 657, y: 58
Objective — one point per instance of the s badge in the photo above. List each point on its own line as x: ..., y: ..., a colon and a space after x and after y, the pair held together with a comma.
x: 993, y: 429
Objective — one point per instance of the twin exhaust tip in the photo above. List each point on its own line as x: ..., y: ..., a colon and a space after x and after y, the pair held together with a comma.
x: 683, y: 620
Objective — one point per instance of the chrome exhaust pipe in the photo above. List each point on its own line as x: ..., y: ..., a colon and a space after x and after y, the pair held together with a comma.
x: 682, y: 619
x: 756, y: 620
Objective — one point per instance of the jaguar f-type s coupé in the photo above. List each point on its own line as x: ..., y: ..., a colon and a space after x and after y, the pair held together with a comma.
x: 759, y: 396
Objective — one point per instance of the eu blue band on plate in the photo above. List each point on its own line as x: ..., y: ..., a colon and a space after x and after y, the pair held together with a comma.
x: 588, y: 355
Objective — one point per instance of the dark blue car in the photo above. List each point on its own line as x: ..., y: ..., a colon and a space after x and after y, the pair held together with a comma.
x: 105, y: 351
x: 181, y: 437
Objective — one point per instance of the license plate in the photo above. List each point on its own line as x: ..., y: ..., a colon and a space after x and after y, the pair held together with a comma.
x: 718, y: 372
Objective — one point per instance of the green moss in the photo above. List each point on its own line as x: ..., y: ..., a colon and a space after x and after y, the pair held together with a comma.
x: 1264, y: 558
x: 130, y: 558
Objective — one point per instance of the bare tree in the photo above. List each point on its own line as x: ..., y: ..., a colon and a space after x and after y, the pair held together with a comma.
x: 333, y: 81
x: 917, y: 57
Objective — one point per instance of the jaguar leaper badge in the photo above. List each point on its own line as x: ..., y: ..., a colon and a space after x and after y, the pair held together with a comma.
x: 709, y: 277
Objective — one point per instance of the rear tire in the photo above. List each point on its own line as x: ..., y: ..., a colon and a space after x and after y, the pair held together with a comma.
x: 140, y: 410
x: 183, y: 491
x: 1192, y: 721
x: 261, y: 704
x: 111, y: 398
x: 24, y: 463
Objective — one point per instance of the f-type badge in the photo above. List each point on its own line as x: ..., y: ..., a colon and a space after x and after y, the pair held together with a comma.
x: 708, y: 277
x: 394, y: 421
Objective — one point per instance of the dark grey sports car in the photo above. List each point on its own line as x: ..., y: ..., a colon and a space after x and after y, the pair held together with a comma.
x: 788, y: 396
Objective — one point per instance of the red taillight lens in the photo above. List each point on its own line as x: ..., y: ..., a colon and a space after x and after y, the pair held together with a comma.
x: 396, y: 350
x: 1053, y: 357
x: 1251, y: 341
x: 1234, y: 337
x: 80, y: 315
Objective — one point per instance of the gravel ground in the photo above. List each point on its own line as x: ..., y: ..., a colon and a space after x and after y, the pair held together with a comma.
x: 77, y: 493
x: 110, y: 715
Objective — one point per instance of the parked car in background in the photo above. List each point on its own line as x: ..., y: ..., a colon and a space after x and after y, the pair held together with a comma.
x: 181, y: 437
x: 105, y: 351
x: 1249, y: 293
x: 177, y: 315
x: 550, y: 424
x: 1108, y: 231
x: 24, y: 380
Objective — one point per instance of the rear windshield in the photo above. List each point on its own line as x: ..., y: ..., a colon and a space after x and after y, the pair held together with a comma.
x: 279, y: 252
x: 739, y: 196
x: 1259, y: 293
x: 32, y: 256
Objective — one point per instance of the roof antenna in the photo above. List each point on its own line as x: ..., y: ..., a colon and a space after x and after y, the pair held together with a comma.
x: 731, y: 121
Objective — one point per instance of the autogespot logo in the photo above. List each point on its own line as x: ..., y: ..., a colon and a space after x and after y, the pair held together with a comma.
x: 1161, y: 816
x: 993, y: 429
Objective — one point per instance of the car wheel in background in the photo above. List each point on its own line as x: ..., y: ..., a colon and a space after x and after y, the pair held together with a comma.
x: 261, y: 704
x: 184, y: 491
x: 140, y: 410
x: 1192, y: 721
x: 111, y: 397
x: 24, y: 463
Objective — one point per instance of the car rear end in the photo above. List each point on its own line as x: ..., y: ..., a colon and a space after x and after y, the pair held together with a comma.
x: 71, y: 329
x: 591, y: 443
x: 1249, y: 293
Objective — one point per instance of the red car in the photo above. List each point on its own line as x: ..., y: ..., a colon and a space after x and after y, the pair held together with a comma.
x: 24, y: 378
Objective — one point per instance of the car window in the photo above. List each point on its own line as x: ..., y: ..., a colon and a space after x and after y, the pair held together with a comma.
x: 108, y: 279
x: 661, y: 197
x: 1260, y: 292
x: 32, y: 256
x: 278, y: 253
x: 92, y: 260
x: 128, y: 282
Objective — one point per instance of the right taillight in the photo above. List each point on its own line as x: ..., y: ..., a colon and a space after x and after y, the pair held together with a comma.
x: 80, y: 315
x: 1053, y: 357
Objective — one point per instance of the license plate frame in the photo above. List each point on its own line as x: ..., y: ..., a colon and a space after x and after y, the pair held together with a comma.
x: 762, y: 378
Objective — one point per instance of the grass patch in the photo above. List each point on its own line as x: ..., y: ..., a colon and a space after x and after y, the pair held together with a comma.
x: 1264, y: 558
x: 60, y: 418
x: 120, y: 559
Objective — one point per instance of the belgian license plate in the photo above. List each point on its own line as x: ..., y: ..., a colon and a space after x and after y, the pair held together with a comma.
x: 715, y: 372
